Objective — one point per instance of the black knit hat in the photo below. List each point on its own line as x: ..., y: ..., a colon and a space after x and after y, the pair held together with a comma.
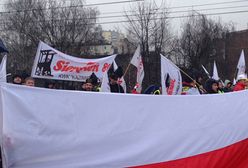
x: 93, y: 78
x: 113, y: 76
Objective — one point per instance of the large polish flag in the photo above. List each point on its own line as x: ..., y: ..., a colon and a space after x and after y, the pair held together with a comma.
x: 52, y: 128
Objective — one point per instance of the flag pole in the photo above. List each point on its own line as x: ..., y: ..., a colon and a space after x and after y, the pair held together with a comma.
x: 206, y: 71
x: 126, y: 70
x: 188, y: 76
x: 191, y: 79
x: 137, y: 50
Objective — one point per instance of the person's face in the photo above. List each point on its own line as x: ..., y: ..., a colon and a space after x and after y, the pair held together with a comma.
x: 229, y: 85
x: 88, y: 86
x: 215, y: 87
x: 29, y: 82
x: 83, y: 86
x: 17, y: 80
x: 51, y: 86
x: 221, y: 85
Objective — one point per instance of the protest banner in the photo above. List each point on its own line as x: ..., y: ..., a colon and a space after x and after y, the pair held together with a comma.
x: 50, y: 63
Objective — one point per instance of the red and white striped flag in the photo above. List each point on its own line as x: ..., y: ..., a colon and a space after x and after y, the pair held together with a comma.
x: 68, y: 129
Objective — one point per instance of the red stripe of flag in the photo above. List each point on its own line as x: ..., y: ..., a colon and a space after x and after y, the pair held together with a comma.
x: 233, y: 156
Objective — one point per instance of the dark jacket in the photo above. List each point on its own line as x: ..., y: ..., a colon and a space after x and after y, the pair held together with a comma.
x: 116, y: 88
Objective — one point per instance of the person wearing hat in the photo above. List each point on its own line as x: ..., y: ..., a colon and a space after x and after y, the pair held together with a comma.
x: 95, y: 82
x: 241, y: 84
x: 113, y: 83
x: 220, y: 86
x: 228, y: 86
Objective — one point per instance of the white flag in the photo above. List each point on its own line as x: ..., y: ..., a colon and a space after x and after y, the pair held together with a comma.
x: 170, y: 74
x: 3, y: 74
x: 241, y: 64
x: 205, y: 70
x: 215, y: 72
x: 121, y: 81
x: 234, y: 81
x: 137, y: 61
x: 105, y: 83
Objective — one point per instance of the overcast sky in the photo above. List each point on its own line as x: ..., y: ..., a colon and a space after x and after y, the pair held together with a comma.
x: 239, y: 19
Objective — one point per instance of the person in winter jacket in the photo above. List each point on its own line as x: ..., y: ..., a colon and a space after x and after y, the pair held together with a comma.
x: 114, y: 86
x: 241, y: 84
x: 220, y: 86
x: 228, y: 86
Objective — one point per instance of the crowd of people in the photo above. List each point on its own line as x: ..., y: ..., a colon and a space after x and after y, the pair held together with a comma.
x: 192, y: 85
x: 91, y: 84
x: 212, y: 86
x: 28, y: 81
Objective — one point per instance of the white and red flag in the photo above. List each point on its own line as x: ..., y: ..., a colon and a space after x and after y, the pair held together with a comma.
x: 45, y: 128
x: 171, y: 79
x: 137, y: 61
